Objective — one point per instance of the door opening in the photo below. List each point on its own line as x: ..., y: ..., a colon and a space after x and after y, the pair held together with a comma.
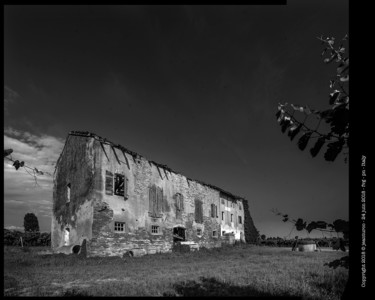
x: 66, y: 237
x: 178, y: 234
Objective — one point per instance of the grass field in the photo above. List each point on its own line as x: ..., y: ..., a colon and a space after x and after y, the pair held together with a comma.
x: 228, y: 271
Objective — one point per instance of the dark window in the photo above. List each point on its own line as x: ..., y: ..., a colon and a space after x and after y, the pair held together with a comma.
x: 231, y: 217
x: 239, y: 220
x: 155, y: 201
x: 108, y: 183
x: 222, y: 201
x: 222, y: 215
x: 198, y: 211
x: 199, y: 232
x: 119, y: 184
x: 155, y: 229
x: 120, y: 226
x: 214, y: 233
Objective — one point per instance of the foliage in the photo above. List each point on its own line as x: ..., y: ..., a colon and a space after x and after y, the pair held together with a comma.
x: 30, y: 222
x: 337, y: 226
x: 13, y: 238
x: 336, y: 117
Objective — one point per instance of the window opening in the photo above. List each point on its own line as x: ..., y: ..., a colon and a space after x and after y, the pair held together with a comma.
x: 119, y: 227
x: 119, y: 184
x: 154, y: 229
x: 68, y: 193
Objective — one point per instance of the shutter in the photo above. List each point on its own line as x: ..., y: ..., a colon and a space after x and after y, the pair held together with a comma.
x: 108, y: 183
x: 196, y: 211
x: 181, y: 202
x: 152, y: 198
x: 126, y: 195
x: 159, y: 200
x: 216, y: 211
x: 212, y: 210
x: 200, y: 212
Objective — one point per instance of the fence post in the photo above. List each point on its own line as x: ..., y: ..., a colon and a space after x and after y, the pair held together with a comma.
x: 21, y: 241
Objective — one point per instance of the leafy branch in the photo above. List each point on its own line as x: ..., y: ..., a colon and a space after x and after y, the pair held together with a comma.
x: 32, y: 171
x: 337, y: 226
x: 337, y: 117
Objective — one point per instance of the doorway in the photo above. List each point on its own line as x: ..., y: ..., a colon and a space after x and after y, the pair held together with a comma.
x: 178, y: 234
x: 66, y: 237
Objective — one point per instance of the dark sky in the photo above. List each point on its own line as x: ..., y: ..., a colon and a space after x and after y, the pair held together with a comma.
x: 192, y: 87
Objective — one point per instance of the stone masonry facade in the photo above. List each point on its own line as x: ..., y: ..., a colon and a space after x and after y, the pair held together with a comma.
x: 119, y: 201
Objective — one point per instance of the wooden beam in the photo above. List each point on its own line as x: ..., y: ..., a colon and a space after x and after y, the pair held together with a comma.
x: 126, y: 159
x: 114, y: 151
x: 101, y: 144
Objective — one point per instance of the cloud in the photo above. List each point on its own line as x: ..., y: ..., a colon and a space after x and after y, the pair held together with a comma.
x: 22, y: 193
x: 10, y: 96
x: 11, y: 227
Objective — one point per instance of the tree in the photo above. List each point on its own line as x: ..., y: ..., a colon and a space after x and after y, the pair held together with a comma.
x: 336, y: 117
x: 337, y: 137
x: 263, y: 237
x: 30, y: 222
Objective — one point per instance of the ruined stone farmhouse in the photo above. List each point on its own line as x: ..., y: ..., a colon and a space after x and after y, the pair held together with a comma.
x: 118, y: 201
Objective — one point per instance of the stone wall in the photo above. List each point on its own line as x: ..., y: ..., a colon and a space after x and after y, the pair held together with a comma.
x: 91, y: 213
x: 134, y: 210
x: 78, y: 166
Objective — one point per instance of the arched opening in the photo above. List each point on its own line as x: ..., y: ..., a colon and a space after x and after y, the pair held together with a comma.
x: 66, y: 236
x: 68, y: 187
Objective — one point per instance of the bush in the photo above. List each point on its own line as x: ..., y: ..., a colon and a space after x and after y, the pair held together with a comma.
x: 13, y: 238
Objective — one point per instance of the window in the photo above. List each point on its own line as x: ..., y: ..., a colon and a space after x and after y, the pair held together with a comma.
x: 231, y: 217
x: 155, y: 201
x: 199, y: 232
x: 222, y: 215
x: 239, y: 206
x: 155, y: 229
x: 198, y: 211
x: 120, y: 187
x: 214, y: 234
x: 223, y: 232
x: 214, y: 211
x: 68, y: 193
x: 119, y: 227
x: 119, y: 184
x: 222, y: 201
x: 239, y: 220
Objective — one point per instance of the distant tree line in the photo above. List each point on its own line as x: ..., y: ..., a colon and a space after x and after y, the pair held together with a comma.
x: 13, y: 238
x: 32, y: 235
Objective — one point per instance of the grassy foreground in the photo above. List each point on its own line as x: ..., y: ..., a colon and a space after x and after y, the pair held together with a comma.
x: 228, y: 271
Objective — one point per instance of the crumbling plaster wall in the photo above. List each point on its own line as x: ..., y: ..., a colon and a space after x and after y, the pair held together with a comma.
x: 77, y: 165
x: 141, y: 174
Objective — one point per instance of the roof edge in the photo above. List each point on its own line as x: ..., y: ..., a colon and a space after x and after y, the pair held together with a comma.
x: 134, y: 154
